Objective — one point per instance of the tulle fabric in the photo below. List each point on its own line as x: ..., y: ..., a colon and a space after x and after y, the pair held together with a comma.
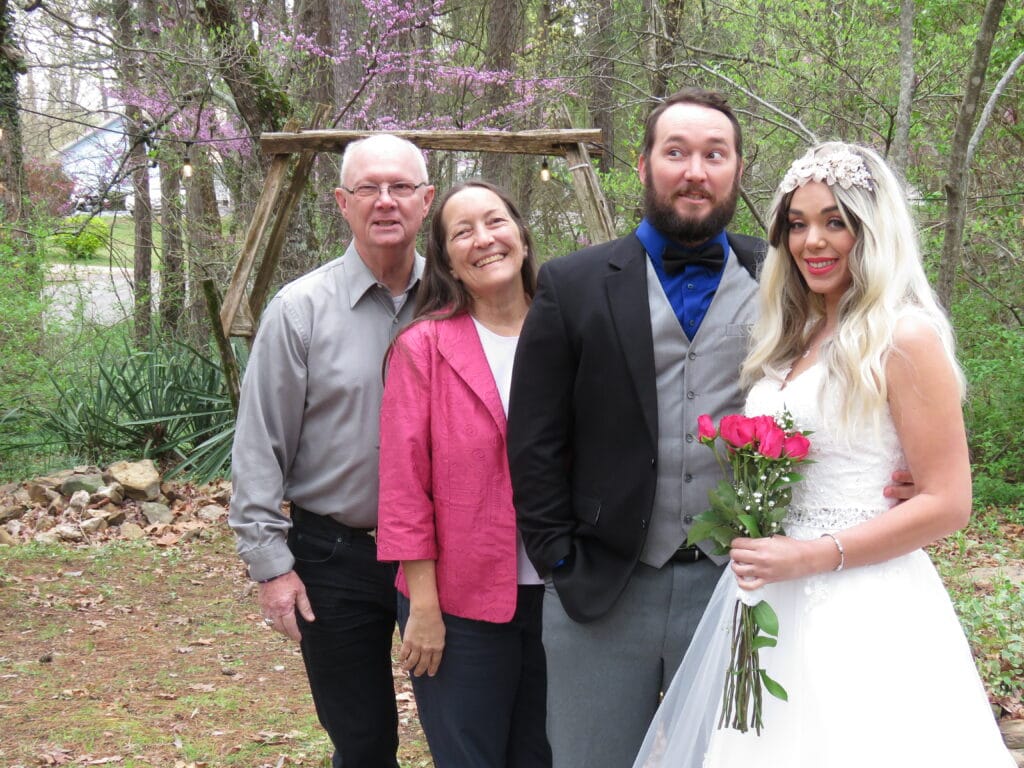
x: 877, y: 670
x: 874, y: 660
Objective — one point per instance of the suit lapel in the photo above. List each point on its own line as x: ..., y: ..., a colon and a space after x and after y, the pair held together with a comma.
x: 459, y: 344
x: 630, y: 312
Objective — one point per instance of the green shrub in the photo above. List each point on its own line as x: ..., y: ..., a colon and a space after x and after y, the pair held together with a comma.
x: 162, y: 403
x: 82, y: 237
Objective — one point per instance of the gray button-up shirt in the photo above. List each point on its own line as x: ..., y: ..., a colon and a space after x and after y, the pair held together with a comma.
x: 308, y: 421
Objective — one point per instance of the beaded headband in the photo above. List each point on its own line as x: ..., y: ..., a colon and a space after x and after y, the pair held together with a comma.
x: 840, y: 166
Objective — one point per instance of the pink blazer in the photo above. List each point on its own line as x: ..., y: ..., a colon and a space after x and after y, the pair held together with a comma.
x: 445, y: 492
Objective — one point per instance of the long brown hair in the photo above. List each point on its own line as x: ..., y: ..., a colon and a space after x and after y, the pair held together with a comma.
x: 440, y: 295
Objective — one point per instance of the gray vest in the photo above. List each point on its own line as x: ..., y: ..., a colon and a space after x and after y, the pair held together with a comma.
x: 693, y: 377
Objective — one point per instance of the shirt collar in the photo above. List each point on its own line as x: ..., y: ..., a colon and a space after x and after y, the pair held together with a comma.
x: 360, y: 280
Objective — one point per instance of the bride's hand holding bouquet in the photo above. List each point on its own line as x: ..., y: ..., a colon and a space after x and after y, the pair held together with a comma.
x: 760, y: 454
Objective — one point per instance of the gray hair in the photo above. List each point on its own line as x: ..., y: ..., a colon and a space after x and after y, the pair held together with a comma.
x: 396, y: 144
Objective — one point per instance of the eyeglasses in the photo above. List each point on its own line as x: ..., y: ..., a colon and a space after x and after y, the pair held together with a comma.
x: 400, y: 189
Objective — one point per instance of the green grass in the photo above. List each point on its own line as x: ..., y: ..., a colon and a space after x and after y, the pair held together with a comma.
x: 121, y: 250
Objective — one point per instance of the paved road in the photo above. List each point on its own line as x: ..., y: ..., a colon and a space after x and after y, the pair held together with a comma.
x: 98, y: 294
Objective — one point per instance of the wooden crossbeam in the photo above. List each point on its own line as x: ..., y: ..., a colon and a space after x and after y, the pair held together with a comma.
x: 539, y: 142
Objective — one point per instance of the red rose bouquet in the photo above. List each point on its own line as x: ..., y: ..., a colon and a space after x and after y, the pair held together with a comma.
x: 761, y: 453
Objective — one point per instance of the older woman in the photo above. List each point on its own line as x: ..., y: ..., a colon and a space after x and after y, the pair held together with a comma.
x: 469, y: 600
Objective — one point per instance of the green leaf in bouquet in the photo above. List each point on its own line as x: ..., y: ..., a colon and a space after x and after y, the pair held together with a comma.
x: 707, y: 526
x: 777, y: 514
x: 763, y: 641
x: 766, y: 619
x: 773, y: 687
x: 750, y: 523
x: 725, y: 502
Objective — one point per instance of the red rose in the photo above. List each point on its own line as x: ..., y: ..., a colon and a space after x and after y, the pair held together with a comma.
x: 771, y: 441
x: 796, y: 447
x: 706, y: 428
x: 763, y: 425
x: 738, y: 431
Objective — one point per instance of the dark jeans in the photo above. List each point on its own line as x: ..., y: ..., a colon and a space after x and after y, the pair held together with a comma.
x: 347, y: 649
x: 486, y: 706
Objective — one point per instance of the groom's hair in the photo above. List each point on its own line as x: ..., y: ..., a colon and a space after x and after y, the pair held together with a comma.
x: 702, y: 98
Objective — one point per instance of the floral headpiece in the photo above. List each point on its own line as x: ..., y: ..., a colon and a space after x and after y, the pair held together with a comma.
x: 841, y: 166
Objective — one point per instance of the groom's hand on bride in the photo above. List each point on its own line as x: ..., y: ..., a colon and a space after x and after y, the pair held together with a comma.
x: 902, y: 486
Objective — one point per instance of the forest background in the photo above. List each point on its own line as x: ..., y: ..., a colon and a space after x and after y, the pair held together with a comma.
x: 934, y: 85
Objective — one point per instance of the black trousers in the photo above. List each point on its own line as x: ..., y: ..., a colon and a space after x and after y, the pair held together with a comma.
x: 347, y: 649
x: 486, y: 706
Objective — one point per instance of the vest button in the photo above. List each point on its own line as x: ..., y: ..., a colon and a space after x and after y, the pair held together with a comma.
x: 688, y: 477
x: 692, y: 355
x: 687, y: 519
x: 690, y: 395
x: 689, y: 438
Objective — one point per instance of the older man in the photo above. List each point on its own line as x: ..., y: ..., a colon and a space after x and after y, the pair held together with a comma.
x: 307, y: 433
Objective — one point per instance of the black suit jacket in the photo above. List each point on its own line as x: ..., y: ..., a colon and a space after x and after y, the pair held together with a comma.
x: 583, y: 423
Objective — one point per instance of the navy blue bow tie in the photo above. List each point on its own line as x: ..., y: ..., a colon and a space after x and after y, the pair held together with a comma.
x: 675, y: 257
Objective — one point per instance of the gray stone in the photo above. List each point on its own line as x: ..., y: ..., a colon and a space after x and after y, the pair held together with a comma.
x: 46, y: 537
x: 113, y: 493
x: 77, y: 482
x: 11, y: 512
x: 79, y: 501
x: 1013, y: 733
x: 113, y: 514
x: 132, y: 532
x: 139, y: 479
x: 39, y: 493
x: 156, y: 512
x: 93, y: 524
x: 69, y: 532
x: 45, y: 523
x: 211, y: 513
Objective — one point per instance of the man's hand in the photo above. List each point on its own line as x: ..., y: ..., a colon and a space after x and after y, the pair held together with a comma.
x: 279, y: 598
x: 902, y: 486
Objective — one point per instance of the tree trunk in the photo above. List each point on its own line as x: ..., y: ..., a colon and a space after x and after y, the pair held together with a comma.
x: 504, y: 35
x: 172, y: 256
x: 900, y: 155
x: 206, y: 257
x: 959, y: 161
x: 12, y: 177
x: 602, y: 72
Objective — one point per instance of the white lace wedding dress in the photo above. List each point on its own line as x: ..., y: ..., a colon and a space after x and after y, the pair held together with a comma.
x: 877, y: 668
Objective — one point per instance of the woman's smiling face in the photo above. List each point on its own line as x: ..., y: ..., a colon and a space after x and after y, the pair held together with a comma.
x: 820, y: 241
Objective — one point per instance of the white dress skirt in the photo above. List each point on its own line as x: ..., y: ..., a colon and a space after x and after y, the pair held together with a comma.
x: 874, y: 661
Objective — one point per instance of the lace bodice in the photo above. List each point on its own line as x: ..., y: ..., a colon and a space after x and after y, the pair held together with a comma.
x: 844, y: 485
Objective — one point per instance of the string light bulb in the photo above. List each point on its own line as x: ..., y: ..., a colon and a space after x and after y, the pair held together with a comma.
x: 186, y: 168
x: 545, y: 172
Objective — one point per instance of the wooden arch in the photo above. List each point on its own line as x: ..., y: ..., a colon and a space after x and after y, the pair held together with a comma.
x: 241, y: 307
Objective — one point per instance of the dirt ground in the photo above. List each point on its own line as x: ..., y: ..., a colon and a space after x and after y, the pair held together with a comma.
x: 141, y: 655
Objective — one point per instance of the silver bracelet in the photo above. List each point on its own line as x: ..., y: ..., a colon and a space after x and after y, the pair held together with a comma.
x: 839, y: 546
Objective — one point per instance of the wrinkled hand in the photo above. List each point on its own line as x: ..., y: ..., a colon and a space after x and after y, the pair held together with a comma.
x: 902, y: 486
x: 279, y: 599
x: 422, y: 643
x: 757, y: 562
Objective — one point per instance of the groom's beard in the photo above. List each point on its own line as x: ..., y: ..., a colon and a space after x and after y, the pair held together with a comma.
x: 658, y: 210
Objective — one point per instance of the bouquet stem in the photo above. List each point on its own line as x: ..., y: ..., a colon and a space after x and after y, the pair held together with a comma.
x: 743, y: 692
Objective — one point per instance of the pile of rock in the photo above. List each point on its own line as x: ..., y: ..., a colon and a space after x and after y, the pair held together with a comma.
x: 89, y: 505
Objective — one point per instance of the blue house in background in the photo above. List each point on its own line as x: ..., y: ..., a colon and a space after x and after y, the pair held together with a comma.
x: 92, y: 160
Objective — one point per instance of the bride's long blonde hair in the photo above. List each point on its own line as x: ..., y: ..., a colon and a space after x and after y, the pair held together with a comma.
x: 888, y: 282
